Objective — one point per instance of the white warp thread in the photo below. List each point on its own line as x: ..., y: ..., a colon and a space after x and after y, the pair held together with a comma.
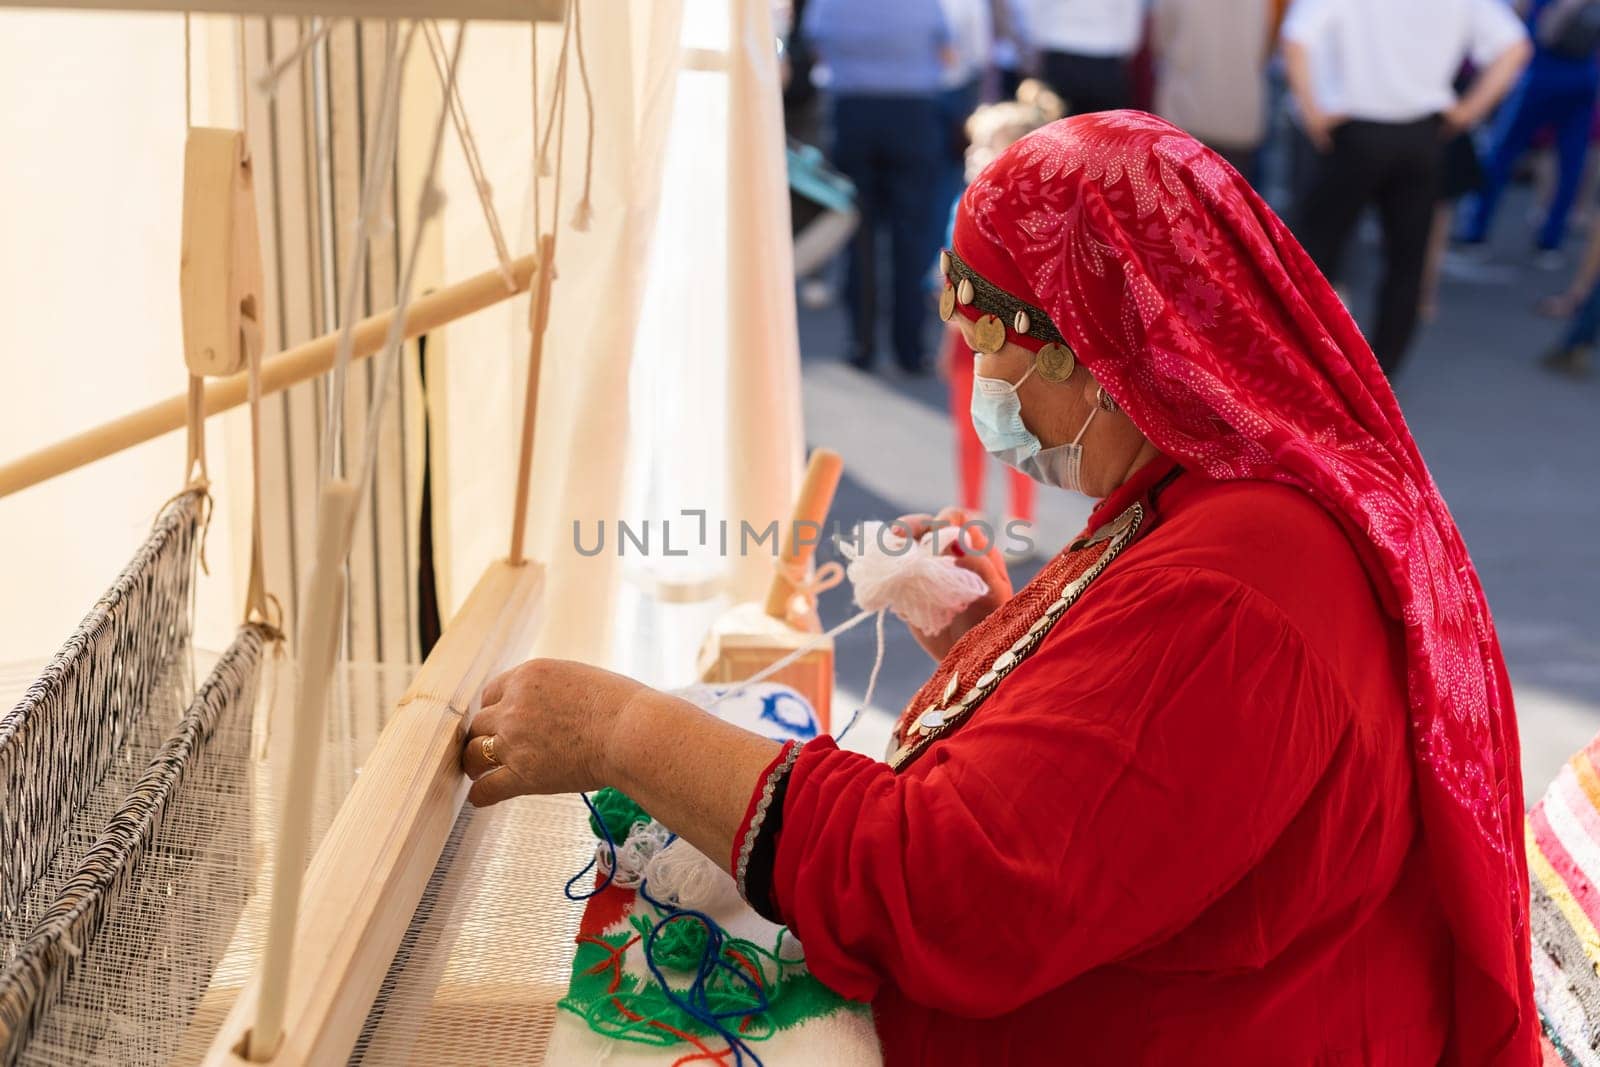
x: 682, y: 875
x: 915, y: 581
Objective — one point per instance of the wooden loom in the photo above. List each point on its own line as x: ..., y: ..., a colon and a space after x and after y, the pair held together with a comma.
x: 362, y: 887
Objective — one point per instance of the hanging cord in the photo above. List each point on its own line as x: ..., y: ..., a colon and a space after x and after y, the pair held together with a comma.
x: 469, y: 149
x: 196, y: 476
x: 267, y: 84
x: 261, y: 608
x: 539, y: 297
x: 188, y: 76
x: 430, y: 201
x: 533, y: 119
x: 558, y: 100
x: 377, y: 172
x: 584, y: 213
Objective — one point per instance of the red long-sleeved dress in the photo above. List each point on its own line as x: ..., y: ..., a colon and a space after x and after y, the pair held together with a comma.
x: 1182, y: 830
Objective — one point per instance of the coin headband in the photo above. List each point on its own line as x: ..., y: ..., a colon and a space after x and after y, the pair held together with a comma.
x: 990, y: 300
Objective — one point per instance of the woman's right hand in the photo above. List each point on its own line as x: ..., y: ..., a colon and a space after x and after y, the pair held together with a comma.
x: 973, y: 551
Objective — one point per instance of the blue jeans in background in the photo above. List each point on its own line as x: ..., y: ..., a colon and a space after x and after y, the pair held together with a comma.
x: 1556, y: 93
x: 896, y: 149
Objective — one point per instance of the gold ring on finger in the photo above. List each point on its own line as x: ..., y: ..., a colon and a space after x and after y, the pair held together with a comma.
x: 488, y: 751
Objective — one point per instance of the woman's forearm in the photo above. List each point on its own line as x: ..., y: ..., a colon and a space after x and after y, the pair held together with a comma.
x: 690, y: 770
x: 1492, y: 84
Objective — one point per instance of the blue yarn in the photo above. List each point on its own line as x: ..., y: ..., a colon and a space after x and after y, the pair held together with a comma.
x: 694, y: 1001
x: 611, y: 849
x: 838, y: 738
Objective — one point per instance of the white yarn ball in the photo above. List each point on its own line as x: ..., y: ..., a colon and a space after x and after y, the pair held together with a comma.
x: 645, y: 840
x: 916, y: 581
x: 681, y: 874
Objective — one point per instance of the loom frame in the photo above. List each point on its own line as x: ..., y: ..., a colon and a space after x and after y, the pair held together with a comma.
x: 370, y: 871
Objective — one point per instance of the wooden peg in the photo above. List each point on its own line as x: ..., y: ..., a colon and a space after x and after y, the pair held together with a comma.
x: 805, y: 528
x: 220, y: 273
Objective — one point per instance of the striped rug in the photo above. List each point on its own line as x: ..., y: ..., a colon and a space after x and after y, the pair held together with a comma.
x: 1563, y: 832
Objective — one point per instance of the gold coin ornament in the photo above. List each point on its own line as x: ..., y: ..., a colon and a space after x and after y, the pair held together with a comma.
x: 947, y: 302
x: 964, y: 292
x: 1021, y: 323
x: 989, y: 334
x: 1055, y: 362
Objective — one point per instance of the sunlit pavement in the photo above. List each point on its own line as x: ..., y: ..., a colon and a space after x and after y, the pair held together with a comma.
x: 1516, y: 452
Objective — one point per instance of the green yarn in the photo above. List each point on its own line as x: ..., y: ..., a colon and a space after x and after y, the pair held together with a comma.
x: 619, y: 813
x: 681, y: 944
x: 795, y: 997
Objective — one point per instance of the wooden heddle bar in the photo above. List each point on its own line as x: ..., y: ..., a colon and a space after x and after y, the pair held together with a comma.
x: 278, y: 372
x: 369, y: 873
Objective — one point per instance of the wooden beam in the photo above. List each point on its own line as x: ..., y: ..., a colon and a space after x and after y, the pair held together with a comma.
x: 369, y: 873
x: 277, y: 372
x: 494, y: 10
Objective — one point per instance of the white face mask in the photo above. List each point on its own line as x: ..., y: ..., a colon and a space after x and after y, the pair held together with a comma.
x: 997, y: 416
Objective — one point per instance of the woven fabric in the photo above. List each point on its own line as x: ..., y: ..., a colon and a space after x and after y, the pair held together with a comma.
x: 69, y: 992
x: 1196, y: 309
x: 57, y: 742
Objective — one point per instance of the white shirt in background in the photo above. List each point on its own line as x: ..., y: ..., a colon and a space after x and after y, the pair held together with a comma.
x: 1396, y: 60
x: 1209, y: 77
x: 1089, y: 27
x: 971, y: 37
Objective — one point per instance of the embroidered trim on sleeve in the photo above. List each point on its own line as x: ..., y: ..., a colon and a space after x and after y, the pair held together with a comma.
x: 763, y: 830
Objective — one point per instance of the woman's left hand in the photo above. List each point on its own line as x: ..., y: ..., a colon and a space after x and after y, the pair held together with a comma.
x: 551, y: 722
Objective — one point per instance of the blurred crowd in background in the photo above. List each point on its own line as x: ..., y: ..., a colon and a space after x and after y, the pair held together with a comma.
x: 1417, y: 113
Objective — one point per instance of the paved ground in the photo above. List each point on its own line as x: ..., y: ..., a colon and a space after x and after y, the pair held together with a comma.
x: 1516, y: 452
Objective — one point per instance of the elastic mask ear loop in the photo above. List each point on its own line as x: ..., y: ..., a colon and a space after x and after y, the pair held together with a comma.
x: 1012, y: 386
x: 1092, y: 413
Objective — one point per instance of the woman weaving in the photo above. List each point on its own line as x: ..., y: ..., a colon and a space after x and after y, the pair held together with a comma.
x: 1234, y: 779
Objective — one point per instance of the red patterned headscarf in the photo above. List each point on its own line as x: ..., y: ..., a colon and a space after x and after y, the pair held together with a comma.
x: 1195, y: 308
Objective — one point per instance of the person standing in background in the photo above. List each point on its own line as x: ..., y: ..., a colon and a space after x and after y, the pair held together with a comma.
x: 1211, y: 58
x: 1084, y: 48
x: 1012, y: 47
x: 1580, y: 304
x: 886, y: 63
x: 972, y: 39
x: 1377, y: 116
x: 1557, y: 91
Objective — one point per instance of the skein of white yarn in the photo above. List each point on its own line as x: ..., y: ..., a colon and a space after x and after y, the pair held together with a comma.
x: 915, y: 581
x: 682, y: 875
x: 644, y: 842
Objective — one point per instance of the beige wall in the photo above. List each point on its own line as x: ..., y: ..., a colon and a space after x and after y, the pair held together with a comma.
x: 90, y: 184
